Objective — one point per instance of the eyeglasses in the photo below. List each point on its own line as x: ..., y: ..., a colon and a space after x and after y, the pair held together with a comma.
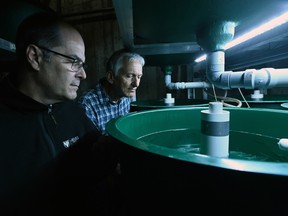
x: 76, y: 64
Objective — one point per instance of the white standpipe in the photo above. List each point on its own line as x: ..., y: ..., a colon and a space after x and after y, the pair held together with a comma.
x: 257, y: 95
x: 215, y: 131
x: 169, y: 100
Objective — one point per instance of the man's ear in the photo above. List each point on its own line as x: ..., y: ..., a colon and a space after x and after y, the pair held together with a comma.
x: 34, y: 56
x: 110, y: 77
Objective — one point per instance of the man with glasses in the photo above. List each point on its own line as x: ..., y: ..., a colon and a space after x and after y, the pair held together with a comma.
x: 51, y: 155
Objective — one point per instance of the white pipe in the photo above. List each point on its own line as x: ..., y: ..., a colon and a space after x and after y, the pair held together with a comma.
x: 184, y: 85
x: 249, y: 79
x: 279, y: 77
x: 264, y: 78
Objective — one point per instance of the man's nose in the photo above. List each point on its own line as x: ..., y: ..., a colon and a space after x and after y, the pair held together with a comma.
x: 136, y: 81
x: 81, y: 73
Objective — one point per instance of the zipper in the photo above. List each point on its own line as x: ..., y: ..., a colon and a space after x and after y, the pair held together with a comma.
x: 50, y: 114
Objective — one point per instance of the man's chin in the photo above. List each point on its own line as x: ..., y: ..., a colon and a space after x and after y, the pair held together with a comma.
x: 72, y: 95
x: 132, y: 94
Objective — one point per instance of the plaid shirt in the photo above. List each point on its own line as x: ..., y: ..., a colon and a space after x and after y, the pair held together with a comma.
x: 100, y: 109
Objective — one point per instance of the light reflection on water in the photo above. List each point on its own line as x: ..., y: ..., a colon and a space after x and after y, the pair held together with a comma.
x: 242, y: 145
x: 195, y: 148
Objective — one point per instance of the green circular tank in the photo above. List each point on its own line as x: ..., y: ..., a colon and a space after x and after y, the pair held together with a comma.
x: 164, y: 172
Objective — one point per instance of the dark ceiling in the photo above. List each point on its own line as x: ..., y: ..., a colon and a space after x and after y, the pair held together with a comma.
x: 165, y: 32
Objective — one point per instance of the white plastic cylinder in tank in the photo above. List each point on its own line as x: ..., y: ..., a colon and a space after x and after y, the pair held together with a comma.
x: 215, y: 131
x: 169, y: 99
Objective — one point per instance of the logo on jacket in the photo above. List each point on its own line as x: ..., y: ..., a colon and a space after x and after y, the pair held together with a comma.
x: 69, y: 142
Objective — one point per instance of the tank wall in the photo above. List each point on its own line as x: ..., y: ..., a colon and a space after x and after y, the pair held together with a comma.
x: 159, y: 180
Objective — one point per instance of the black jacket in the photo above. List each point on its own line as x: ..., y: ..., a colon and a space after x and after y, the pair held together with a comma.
x: 49, y: 155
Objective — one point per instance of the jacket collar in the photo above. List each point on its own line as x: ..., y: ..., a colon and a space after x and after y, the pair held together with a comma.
x: 13, y: 98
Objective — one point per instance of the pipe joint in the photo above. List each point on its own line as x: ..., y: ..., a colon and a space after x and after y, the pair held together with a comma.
x: 256, y: 79
x: 220, y: 79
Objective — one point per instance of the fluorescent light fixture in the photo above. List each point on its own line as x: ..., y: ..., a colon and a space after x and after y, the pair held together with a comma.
x: 201, y: 58
x: 253, y: 33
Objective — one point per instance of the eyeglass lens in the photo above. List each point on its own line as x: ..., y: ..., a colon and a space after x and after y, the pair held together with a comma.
x: 76, y: 66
